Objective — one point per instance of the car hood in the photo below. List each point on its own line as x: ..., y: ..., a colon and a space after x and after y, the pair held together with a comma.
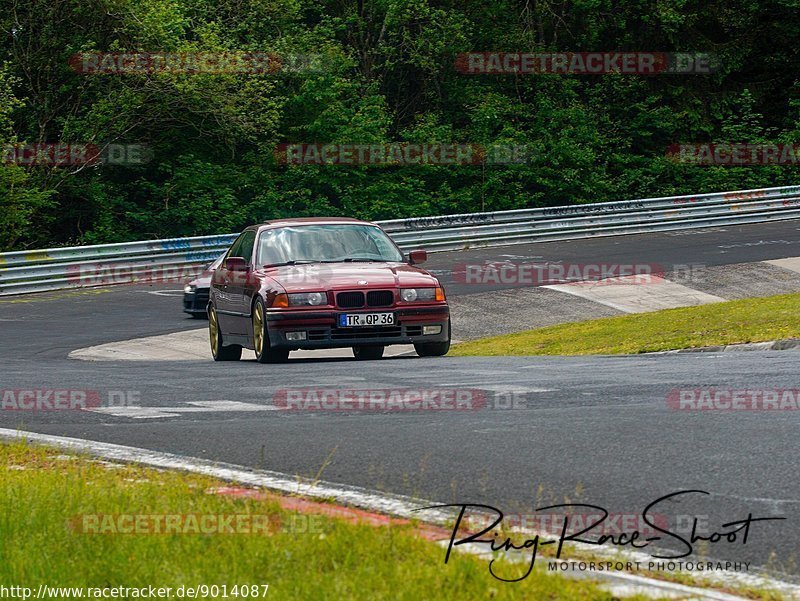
x: 201, y: 282
x: 344, y: 276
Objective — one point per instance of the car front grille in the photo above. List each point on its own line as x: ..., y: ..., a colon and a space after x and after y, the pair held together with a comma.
x: 197, y: 301
x: 374, y: 298
x: 380, y: 298
x: 350, y: 300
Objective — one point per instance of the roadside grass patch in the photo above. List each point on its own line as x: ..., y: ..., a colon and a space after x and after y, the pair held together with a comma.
x: 43, y: 491
x: 731, y: 322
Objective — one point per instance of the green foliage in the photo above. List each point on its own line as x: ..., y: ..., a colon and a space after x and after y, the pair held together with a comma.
x: 20, y: 197
x: 386, y: 75
x: 20, y: 201
x: 70, y: 523
x: 718, y: 324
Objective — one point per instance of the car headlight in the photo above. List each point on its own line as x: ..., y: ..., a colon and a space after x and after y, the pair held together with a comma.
x: 189, y: 288
x: 307, y: 298
x: 411, y: 295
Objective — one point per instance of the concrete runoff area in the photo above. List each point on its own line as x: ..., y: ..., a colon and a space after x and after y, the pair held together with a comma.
x: 631, y: 294
x: 742, y: 280
x: 791, y: 263
x: 193, y: 345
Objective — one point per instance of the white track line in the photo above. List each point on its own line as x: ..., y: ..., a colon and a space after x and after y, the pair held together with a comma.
x: 395, y: 505
x: 142, y: 412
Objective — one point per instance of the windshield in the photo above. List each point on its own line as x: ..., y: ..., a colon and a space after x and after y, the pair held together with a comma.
x: 325, y: 244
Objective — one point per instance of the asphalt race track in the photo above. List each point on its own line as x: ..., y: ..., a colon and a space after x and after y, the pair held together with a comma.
x: 596, y: 430
x: 710, y: 247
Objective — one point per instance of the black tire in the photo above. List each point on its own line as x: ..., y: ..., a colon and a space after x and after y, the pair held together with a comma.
x: 434, y: 349
x: 198, y: 315
x: 367, y: 353
x: 219, y: 351
x: 264, y: 354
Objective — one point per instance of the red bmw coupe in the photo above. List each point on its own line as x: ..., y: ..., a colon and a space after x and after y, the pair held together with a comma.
x: 319, y: 283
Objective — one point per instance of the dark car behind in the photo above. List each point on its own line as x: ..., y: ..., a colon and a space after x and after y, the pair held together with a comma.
x: 196, y: 292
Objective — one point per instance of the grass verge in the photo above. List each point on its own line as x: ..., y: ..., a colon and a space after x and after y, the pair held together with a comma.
x: 49, y: 498
x: 732, y: 322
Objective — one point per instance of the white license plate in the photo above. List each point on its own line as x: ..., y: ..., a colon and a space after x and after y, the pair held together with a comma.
x: 352, y: 320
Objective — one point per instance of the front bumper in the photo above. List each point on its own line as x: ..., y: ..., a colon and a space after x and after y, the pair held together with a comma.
x: 322, y: 330
x: 196, y: 303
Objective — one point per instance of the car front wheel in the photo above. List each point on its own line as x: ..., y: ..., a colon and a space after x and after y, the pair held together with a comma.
x: 264, y: 354
x: 218, y: 350
x: 434, y: 349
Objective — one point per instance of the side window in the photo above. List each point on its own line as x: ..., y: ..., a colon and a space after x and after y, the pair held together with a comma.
x: 234, y: 249
x: 245, y: 250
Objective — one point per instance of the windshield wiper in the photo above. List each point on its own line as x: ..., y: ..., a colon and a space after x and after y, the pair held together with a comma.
x: 362, y: 260
x: 343, y: 260
x: 285, y: 263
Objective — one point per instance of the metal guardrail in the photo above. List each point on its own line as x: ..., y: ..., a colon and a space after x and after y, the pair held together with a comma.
x: 81, y: 266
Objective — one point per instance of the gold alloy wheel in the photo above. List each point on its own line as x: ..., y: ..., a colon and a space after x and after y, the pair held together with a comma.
x: 258, y: 329
x: 213, y: 332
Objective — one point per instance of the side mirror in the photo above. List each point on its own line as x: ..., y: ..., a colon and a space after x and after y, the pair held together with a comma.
x: 235, y: 264
x: 415, y: 257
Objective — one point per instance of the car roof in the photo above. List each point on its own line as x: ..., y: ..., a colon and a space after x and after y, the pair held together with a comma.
x: 309, y: 220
